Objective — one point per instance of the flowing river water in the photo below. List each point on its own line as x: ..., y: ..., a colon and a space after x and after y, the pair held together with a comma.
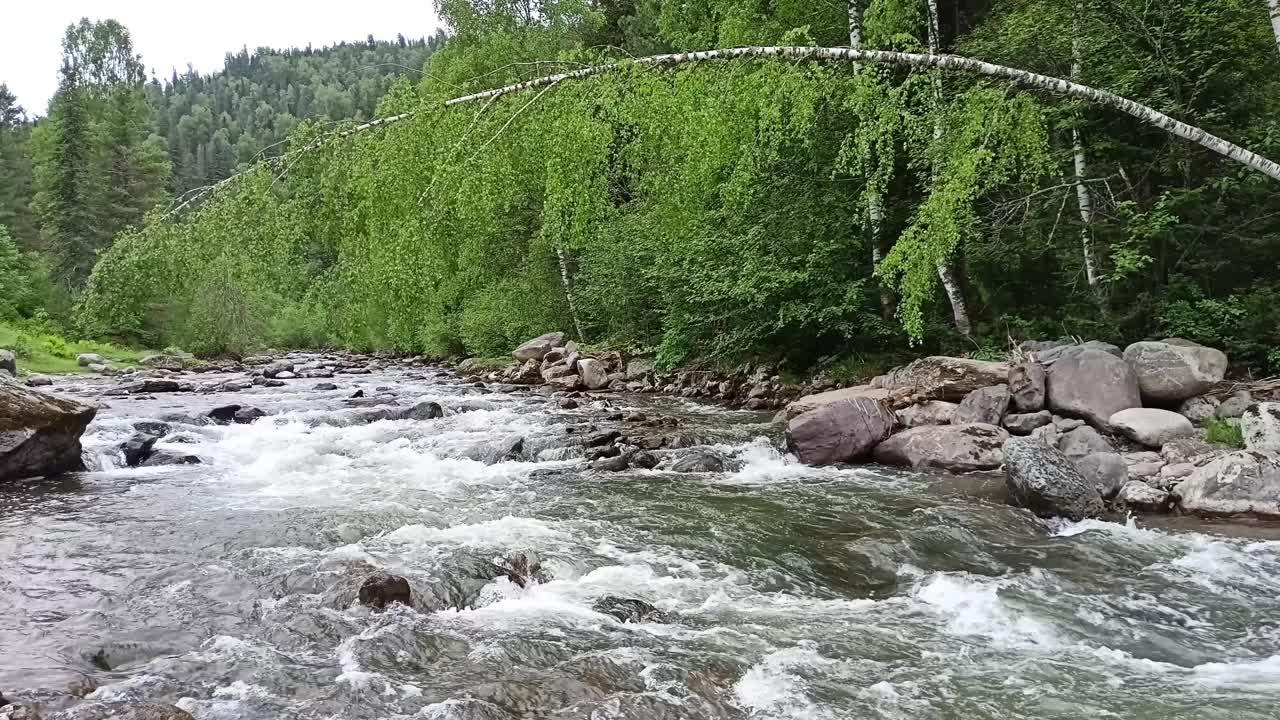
x: 228, y: 588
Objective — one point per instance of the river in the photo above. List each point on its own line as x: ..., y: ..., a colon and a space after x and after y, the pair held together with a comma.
x: 229, y: 587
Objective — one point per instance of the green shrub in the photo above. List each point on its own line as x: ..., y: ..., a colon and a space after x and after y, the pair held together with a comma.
x: 1223, y: 432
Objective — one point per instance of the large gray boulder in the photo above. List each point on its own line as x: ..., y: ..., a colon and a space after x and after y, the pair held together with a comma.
x: 985, y: 405
x: 593, y: 373
x: 1049, y: 355
x: 538, y: 347
x: 1170, y: 371
x: 817, y: 400
x: 39, y: 433
x: 1090, y: 384
x: 931, y: 412
x: 1151, y: 426
x: 942, y: 378
x: 8, y: 363
x: 1246, y: 482
x: 1042, y: 479
x: 840, y: 431
x: 1260, y: 425
x: 1107, y: 471
x: 1027, y: 423
x: 1026, y: 387
x: 87, y: 359
x: 958, y: 448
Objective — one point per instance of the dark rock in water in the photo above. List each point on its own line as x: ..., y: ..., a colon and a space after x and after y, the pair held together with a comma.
x: 39, y: 433
x: 628, y: 609
x: 224, y: 415
x: 422, y: 411
x: 604, y: 437
x: 511, y: 448
x: 273, y: 383
x: 522, y: 568
x: 840, y: 431
x: 164, y: 457
x: 699, y: 461
x: 568, y: 404
x: 138, y: 448
x: 608, y: 451
x: 324, y: 387
x: 152, y: 427
x: 276, y: 368
x: 611, y: 464
x: 358, y: 394
x: 1042, y: 479
x: 122, y: 711
x: 150, y: 385
x: 245, y: 416
x: 644, y: 460
x: 380, y: 591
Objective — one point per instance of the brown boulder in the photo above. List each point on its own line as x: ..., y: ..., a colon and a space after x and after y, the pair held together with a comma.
x: 839, y: 431
x: 958, y: 448
x: 942, y: 378
x: 39, y: 433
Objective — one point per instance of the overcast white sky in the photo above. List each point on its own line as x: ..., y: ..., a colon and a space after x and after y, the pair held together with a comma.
x: 171, y: 34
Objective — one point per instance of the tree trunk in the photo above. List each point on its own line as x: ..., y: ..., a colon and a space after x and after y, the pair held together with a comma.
x: 875, y: 206
x: 1147, y: 115
x: 1084, y: 199
x: 568, y: 293
x: 946, y: 274
x: 1274, y: 7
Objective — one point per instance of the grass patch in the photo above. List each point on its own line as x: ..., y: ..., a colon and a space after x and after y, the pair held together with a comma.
x: 39, y: 350
x: 488, y: 364
x: 1222, y: 432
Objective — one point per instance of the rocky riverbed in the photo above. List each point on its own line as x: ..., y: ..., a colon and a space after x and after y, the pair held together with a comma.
x: 581, y: 554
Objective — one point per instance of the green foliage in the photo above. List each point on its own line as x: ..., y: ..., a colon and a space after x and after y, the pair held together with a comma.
x: 41, y: 348
x: 1223, y: 432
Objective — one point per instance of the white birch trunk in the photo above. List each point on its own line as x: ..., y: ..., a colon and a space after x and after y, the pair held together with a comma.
x: 946, y: 274
x: 875, y: 206
x: 1274, y: 7
x: 1084, y: 199
x: 568, y: 293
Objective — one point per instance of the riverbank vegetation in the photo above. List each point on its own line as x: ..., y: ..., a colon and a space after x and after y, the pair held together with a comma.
x: 805, y: 211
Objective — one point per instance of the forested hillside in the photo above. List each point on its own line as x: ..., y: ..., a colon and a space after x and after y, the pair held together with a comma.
x: 802, y: 207
x: 214, y: 124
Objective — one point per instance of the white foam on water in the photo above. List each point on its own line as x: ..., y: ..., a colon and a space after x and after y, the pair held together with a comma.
x: 1257, y: 675
x: 774, y: 688
x: 504, y: 532
x: 972, y: 607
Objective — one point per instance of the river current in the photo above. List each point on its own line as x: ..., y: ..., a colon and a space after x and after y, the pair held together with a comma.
x: 228, y: 588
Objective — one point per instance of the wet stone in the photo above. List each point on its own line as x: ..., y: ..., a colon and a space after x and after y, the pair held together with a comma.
x: 627, y: 609
x: 382, y: 590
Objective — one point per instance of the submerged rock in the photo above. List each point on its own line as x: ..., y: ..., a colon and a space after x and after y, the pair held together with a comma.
x: 149, y: 385
x: 618, y: 463
x: 627, y: 609
x: 138, y: 448
x: 224, y: 415
x: 644, y: 460
x: 1043, y: 480
x: 122, y: 711
x: 958, y: 448
x: 166, y: 457
x: 245, y: 416
x: 39, y: 433
x: 1170, y: 371
x: 839, y: 432
x: 380, y: 591
x: 699, y: 461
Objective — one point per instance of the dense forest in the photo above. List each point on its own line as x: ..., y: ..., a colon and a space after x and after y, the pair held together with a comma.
x: 806, y: 211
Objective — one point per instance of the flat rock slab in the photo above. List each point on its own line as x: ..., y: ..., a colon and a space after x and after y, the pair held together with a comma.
x: 1239, y: 483
x: 817, y: 400
x: 958, y: 448
x: 943, y: 378
x: 1151, y: 426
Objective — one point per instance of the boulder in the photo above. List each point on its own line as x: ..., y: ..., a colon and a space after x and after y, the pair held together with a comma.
x: 1234, y: 406
x: 617, y: 463
x: 1260, y: 425
x: 644, y: 460
x: 162, y: 362
x: 558, y: 370
x: 639, y: 368
x: 285, y: 375
x: 1026, y: 423
x: 324, y: 387
x: 147, y: 386
x: 39, y: 433
x: 1137, y: 495
x: 592, y: 373
x: 1043, y: 480
x: 138, y: 448
x: 1170, y: 371
x: 1050, y: 355
x: 1198, y: 409
x: 152, y: 427
x: 1084, y: 441
x: 1151, y: 426
x: 942, y: 378
x: 276, y: 368
x: 930, y: 412
x: 568, y: 403
x: 1090, y: 384
x: 958, y: 448
x: 246, y: 416
x: 529, y: 373
x: 39, y: 381
x: 87, y: 359
x: 840, y: 431
x: 165, y: 457
x: 9, y: 363
x: 425, y: 410
x: 1026, y: 387
x: 699, y: 461
x: 822, y: 399
x: 1107, y: 471
x: 224, y: 415
x: 538, y: 347
x: 380, y: 591
x: 627, y: 609
x: 987, y: 406
x: 567, y: 383
x: 1246, y: 482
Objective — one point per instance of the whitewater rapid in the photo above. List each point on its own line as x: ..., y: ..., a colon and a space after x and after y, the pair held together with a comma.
x: 228, y: 588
